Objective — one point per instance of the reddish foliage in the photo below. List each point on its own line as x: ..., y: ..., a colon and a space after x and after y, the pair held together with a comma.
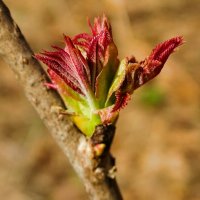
x: 89, y: 63
x: 151, y: 67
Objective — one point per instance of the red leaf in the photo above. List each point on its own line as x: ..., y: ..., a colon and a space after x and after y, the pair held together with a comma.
x: 151, y: 67
x: 70, y: 65
x: 62, y: 73
x: 107, y: 115
x: 51, y: 85
x: 77, y: 63
x: 122, y: 99
x: 95, y: 45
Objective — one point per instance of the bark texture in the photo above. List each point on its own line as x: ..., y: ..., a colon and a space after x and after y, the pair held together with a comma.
x: 97, y: 173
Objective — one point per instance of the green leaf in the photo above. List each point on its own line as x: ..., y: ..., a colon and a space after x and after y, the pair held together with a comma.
x: 117, y: 81
x: 105, y: 78
x: 75, y: 102
x: 83, y: 117
x: 87, y: 125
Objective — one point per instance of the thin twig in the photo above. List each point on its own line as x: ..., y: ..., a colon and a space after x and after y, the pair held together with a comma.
x: 94, y: 172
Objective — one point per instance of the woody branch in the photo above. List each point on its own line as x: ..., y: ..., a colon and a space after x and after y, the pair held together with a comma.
x: 16, y: 52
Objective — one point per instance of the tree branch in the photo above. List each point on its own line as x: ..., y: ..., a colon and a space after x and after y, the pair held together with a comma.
x: 96, y: 173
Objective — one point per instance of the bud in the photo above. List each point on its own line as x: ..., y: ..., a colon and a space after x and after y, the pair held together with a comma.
x: 92, y: 81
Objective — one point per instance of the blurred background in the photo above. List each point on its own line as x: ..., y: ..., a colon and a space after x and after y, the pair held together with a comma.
x: 157, y: 144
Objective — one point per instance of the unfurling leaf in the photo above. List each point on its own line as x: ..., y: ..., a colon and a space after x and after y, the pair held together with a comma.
x: 91, y: 80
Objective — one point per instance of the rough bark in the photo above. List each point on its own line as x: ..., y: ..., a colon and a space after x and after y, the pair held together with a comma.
x: 97, y: 173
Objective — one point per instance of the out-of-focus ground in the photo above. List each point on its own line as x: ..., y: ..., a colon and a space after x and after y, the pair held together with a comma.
x: 157, y: 143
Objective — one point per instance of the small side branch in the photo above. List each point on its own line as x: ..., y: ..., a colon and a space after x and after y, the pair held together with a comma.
x: 16, y: 52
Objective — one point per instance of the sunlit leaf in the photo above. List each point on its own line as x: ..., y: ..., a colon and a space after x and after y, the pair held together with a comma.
x: 117, y: 81
x: 92, y: 81
x: 106, y: 76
